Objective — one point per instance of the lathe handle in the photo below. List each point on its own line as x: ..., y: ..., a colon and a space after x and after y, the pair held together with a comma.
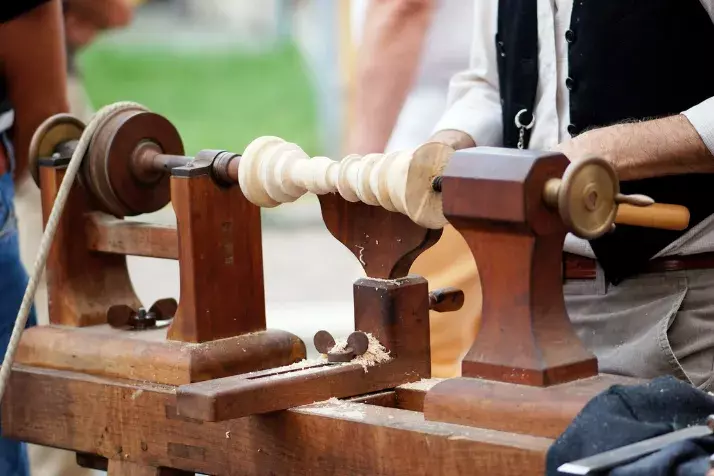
x: 659, y: 215
x: 446, y: 299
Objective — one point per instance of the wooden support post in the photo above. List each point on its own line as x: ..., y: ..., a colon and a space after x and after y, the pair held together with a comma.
x: 494, y: 198
x: 220, y: 249
x: 81, y: 284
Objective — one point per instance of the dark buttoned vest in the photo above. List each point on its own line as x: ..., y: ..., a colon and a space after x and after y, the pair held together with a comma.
x: 629, y: 60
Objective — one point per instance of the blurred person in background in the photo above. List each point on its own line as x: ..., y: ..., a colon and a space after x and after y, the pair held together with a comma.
x: 408, y: 51
x: 32, y: 88
x: 84, y: 22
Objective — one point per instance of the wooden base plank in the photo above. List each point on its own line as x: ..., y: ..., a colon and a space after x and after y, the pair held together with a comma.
x: 541, y: 411
x: 146, y: 355
x: 138, y: 423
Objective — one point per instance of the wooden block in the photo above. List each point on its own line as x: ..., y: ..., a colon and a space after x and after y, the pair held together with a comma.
x: 395, y: 312
x: 107, y: 234
x: 220, y: 260
x: 147, y: 356
x: 127, y: 468
x: 135, y: 422
x: 523, y: 409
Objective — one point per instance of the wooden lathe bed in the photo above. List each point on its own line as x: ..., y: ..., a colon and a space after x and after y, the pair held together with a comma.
x: 202, y: 386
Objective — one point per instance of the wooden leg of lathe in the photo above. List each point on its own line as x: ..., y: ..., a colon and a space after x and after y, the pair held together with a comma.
x: 127, y: 468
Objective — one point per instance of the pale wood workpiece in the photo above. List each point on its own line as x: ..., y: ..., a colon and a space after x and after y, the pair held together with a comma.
x: 273, y: 171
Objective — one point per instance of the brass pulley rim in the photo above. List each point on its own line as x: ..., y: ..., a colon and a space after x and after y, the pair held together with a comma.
x: 597, y: 175
x: 51, y: 133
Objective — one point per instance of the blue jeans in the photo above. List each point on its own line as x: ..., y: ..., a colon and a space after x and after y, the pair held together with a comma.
x: 13, y: 280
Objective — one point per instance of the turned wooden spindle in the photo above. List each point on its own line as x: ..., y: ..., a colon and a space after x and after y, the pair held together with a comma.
x: 273, y: 171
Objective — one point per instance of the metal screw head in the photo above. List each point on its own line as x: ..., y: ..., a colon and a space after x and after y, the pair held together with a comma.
x: 323, y: 341
x: 357, y: 344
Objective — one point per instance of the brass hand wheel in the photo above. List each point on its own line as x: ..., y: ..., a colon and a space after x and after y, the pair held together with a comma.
x: 587, y: 197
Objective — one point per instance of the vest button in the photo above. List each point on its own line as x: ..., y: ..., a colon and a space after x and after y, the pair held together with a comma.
x: 570, y: 36
x: 572, y: 130
x: 570, y: 83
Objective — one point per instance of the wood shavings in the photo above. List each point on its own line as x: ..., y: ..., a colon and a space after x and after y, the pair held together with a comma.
x: 361, y: 252
x: 337, y: 408
x: 375, y: 354
x: 228, y: 435
x: 424, y: 384
x: 136, y: 394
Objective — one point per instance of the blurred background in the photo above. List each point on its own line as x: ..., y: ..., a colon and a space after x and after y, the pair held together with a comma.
x: 226, y: 72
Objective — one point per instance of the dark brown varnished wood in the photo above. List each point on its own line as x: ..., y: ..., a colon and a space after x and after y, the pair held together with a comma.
x: 127, y: 468
x: 107, y: 234
x: 81, y: 284
x: 523, y: 409
x: 385, y: 243
x: 394, y: 311
x: 220, y: 260
x: 493, y: 197
x: 147, y: 355
x: 135, y: 422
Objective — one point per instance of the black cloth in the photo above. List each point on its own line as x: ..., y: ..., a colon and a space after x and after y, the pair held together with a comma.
x: 628, y: 60
x: 11, y: 9
x: 517, y: 59
x: 634, y: 60
x: 623, y: 415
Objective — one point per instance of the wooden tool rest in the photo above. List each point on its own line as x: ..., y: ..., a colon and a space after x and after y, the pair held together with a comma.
x: 388, y: 304
x: 527, y: 372
x: 135, y: 165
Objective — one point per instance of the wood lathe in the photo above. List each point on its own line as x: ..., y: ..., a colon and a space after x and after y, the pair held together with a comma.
x: 202, y: 386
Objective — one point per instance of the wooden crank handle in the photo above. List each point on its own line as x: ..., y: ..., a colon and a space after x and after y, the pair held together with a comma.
x: 446, y: 299
x: 659, y: 215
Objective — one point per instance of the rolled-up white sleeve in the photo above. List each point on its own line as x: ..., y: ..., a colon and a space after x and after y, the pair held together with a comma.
x: 474, y: 102
x: 702, y: 118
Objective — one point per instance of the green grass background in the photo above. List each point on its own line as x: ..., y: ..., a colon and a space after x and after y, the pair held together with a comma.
x: 217, y: 100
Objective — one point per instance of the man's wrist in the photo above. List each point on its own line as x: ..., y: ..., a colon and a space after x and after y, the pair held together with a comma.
x: 454, y: 138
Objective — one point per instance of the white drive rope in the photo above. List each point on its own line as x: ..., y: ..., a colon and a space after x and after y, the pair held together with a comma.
x: 49, y: 234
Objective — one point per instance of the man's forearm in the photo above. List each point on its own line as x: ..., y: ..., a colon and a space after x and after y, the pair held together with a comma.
x: 659, y: 147
x: 32, y: 55
x: 387, y: 63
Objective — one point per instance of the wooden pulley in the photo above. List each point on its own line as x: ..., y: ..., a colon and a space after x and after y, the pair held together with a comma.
x: 54, y: 131
x: 112, y: 171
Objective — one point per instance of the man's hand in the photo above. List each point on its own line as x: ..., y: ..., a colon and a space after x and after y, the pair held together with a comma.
x: 454, y: 139
x: 659, y: 147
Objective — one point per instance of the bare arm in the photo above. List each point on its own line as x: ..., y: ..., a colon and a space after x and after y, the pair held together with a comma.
x: 645, y: 149
x: 33, y: 58
x: 387, y: 63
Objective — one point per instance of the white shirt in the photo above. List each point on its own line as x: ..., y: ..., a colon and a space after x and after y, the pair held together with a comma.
x: 445, y: 53
x: 475, y: 104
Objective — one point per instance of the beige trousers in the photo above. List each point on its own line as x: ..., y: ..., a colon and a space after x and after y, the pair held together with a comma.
x: 450, y: 263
